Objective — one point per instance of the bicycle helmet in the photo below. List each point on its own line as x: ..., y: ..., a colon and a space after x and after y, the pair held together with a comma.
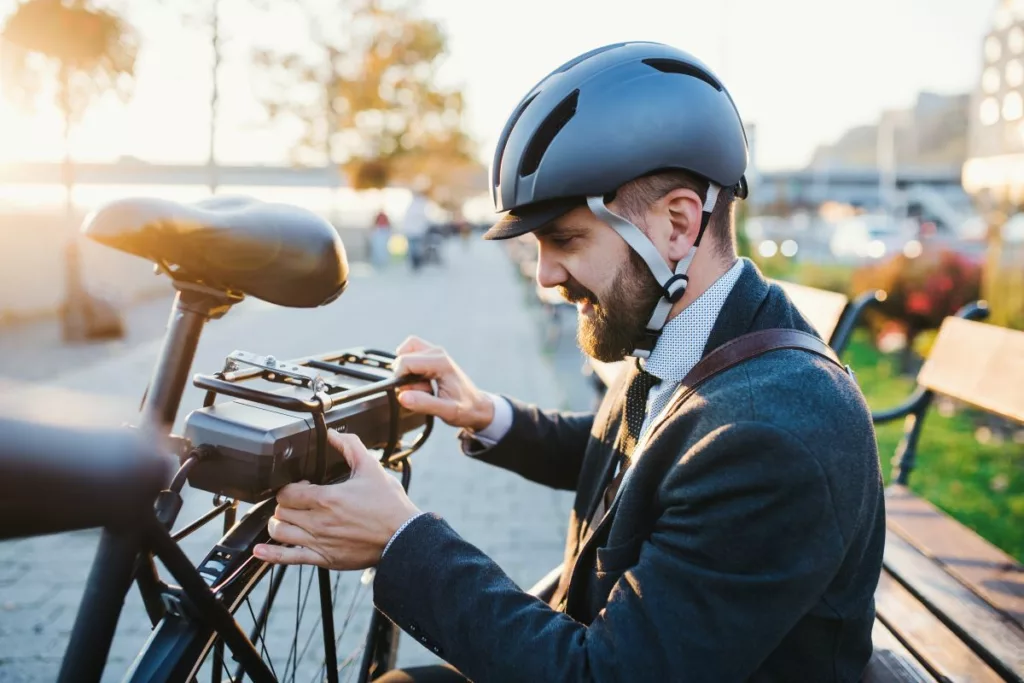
x: 603, y: 119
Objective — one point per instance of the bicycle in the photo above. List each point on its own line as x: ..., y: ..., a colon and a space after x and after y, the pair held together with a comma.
x: 272, y: 431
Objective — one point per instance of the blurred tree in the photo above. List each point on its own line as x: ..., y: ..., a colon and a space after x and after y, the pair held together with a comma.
x: 367, y: 98
x: 70, y: 52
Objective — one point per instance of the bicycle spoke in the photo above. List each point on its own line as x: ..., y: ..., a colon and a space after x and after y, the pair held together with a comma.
x: 302, y: 599
x: 224, y: 666
x: 293, y: 653
x: 258, y: 634
x: 356, y: 656
x: 259, y: 629
x: 218, y: 661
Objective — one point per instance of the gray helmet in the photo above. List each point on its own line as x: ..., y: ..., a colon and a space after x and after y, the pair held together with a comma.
x: 605, y: 118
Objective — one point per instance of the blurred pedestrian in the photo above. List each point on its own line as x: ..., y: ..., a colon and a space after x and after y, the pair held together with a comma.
x: 415, y: 224
x: 380, y: 235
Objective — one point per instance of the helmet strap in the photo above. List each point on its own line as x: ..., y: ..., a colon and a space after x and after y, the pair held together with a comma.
x: 673, y: 284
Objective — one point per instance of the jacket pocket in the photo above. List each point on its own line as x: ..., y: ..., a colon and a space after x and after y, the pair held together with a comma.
x: 618, y: 558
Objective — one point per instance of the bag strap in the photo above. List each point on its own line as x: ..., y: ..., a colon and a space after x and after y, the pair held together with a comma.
x: 752, y: 345
x: 726, y: 356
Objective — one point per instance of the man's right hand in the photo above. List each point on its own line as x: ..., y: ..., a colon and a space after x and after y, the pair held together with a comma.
x: 458, y: 402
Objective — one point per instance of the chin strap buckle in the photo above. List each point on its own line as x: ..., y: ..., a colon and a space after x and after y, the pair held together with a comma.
x: 674, y: 291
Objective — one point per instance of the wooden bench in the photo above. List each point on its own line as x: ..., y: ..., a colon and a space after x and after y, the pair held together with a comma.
x: 950, y: 605
x: 832, y: 314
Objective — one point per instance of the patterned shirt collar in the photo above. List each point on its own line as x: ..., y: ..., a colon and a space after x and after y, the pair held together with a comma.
x: 684, y: 337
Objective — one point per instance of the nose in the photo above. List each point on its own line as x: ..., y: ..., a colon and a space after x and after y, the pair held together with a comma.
x: 549, y: 272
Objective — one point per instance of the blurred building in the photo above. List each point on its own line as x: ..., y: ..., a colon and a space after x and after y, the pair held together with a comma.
x: 930, y: 134
x: 996, y: 142
x: 915, y: 154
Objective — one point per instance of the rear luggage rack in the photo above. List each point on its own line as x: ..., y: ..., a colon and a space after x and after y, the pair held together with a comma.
x: 251, y: 446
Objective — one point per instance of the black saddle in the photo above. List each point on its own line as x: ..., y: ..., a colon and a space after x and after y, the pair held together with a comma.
x: 282, y: 254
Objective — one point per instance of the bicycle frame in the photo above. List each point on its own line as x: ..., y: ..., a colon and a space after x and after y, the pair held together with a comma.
x: 205, y: 594
x: 117, y: 563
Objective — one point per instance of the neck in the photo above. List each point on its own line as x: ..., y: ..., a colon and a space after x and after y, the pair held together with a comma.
x: 705, y: 270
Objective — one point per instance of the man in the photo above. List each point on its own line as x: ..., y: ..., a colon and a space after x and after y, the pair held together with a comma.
x: 732, y: 535
x: 416, y: 222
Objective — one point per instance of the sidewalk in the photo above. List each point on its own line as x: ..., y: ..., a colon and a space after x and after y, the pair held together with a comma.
x: 474, y: 307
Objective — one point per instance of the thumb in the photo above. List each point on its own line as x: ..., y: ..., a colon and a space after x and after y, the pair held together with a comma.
x: 351, y: 448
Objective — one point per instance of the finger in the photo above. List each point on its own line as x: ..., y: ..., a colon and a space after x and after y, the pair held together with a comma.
x: 301, y: 495
x: 276, y: 554
x: 429, y: 364
x: 304, y: 519
x: 416, y: 386
x: 285, y: 532
x: 422, y: 402
x: 413, y: 344
x: 351, y: 448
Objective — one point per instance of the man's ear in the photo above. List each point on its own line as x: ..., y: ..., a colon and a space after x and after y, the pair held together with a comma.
x: 684, y: 208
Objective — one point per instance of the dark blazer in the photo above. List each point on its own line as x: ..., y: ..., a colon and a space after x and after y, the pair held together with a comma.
x: 746, y: 544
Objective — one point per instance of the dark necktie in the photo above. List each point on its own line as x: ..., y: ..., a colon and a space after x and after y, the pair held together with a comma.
x: 636, y: 410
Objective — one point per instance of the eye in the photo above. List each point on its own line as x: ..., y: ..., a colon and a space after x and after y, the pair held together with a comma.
x: 562, y: 241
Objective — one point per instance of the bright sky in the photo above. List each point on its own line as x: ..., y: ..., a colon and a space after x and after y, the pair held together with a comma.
x: 803, y: 70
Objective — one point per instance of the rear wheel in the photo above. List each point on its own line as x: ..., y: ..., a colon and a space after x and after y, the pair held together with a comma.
x: 279, y: 608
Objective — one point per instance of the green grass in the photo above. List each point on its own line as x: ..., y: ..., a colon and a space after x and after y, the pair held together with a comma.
x: 979, y: 484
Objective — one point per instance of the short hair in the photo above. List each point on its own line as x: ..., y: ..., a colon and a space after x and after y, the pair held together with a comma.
x: 636, y: 197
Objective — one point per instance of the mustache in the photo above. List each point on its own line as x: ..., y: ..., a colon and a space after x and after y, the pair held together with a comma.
x: 575, y: 292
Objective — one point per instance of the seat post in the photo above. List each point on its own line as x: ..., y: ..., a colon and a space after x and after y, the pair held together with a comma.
x: 112, y: 569
x: 193, y: 306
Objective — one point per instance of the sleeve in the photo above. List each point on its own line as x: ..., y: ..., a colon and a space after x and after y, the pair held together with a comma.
x: 746, y: 543
x: 502, y: 422
x: 545, y: 446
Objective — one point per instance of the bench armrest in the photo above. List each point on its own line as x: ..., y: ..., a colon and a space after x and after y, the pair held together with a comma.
x: 545, y: 588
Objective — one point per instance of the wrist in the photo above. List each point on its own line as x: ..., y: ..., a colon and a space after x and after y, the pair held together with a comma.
x: 399, y: 529
x: 483, y: 413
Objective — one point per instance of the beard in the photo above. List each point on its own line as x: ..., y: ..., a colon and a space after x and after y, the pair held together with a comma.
x: 620, y: 315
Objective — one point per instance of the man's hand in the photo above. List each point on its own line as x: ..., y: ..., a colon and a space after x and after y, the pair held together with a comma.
x: 341, y: 526
x: 458, y: 402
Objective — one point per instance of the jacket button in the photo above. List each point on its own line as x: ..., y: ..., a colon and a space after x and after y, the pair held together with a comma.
x: 412, y: 628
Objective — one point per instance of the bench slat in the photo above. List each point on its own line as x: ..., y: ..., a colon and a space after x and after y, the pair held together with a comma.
x: 927, y: 637
x: 822, y: 308
x: 998, y: 639
x: 979, y: 364
x: 891, y: 661
x: 978, y: 564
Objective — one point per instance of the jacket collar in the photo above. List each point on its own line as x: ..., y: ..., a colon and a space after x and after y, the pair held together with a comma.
x: 739, y: 313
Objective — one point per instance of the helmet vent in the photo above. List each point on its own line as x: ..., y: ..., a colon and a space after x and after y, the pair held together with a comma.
x: 673, y: 66
x: 505, y: 134
x: 546, y: 132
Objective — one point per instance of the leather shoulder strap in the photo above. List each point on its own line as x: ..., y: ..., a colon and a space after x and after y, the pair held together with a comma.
x: 749, y: 346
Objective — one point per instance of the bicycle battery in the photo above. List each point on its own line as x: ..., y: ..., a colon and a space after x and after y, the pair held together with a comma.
x: 260, y: 441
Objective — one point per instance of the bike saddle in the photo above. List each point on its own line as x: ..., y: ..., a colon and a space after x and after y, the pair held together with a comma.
x: 282, y: 254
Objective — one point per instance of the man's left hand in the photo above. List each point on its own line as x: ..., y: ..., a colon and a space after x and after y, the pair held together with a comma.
x: 341, y: 526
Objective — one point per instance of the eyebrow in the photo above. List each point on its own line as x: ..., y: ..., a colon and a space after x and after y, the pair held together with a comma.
x: 554, y: 228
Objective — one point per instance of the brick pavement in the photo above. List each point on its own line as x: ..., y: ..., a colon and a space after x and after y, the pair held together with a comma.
x: 475, y: 307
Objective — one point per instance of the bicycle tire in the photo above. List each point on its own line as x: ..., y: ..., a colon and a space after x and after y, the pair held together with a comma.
x: 180, y: 643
